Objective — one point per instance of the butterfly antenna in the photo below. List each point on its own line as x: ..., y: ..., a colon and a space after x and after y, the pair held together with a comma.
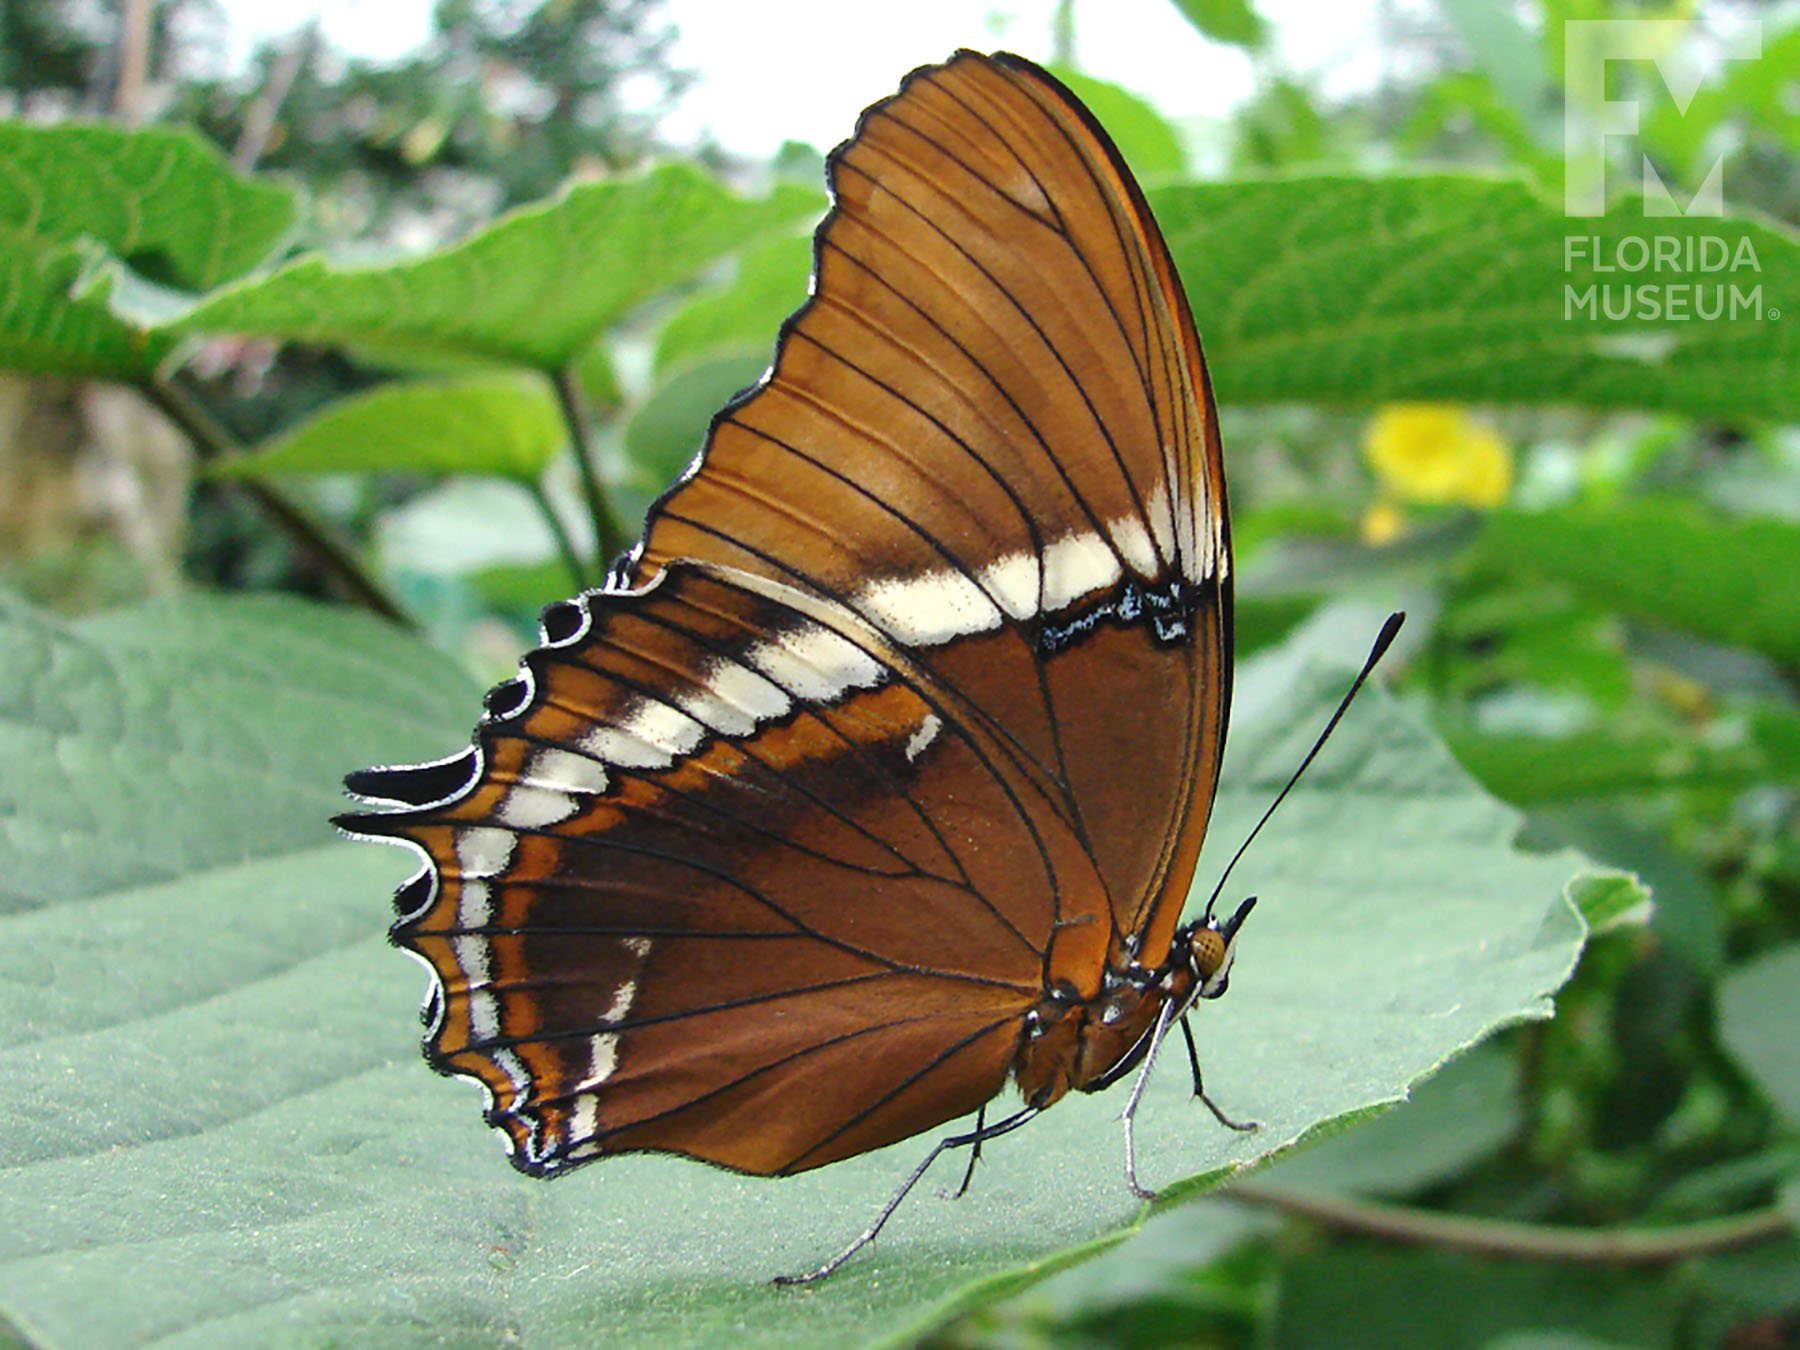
x: 1383, y: 640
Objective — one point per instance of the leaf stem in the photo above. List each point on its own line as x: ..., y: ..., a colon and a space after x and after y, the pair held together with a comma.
x: 609, y: 540
x: 213, y: 441
x: 1502, y: 1237
x: 565, y: 542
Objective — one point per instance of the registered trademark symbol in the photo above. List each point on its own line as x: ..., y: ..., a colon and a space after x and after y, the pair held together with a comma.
x: 1774, y: 314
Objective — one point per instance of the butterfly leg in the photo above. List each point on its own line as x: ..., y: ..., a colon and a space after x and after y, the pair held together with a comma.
x: 976, y: 1137
x: 1137, y: 1093
x: 974, y: 1153
x: 1242, y: 1126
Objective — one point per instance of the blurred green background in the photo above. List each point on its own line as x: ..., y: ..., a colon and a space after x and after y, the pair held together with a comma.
x: 1588, y: 502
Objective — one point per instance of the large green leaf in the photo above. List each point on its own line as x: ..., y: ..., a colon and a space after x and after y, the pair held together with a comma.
x: 532, y: 289
x: 769, y: 285
x: 1368, y: 1298
x: 48, y: 325
x: 1146, y: 140
x: 1351, y: 290
x: 1233, y: 21
x: 160, y: 198
x: 219, y: 1128
x: 1666, y: 562
x: 1759, y: 1007
x: 1533, y: 771
x: 665, y: 432
x: 504, y: 423
x: 160, y: 743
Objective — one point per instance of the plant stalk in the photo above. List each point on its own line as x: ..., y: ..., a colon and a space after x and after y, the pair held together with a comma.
x: 213, y: 441
x: 1529, y: 1241
x: 609, y: 540
x: 565, y: 542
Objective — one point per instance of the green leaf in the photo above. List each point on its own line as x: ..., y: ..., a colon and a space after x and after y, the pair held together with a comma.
x: 666, y: 431
x: 1282, y: 126
x: 1143, y: 135
x: 463, y: 525
x: 1664, y: 562
x: 1687, y: 912
x: 1233, y: 21
x: 1372, y: 1299
x: 1509, y: 53
x: 48, y: 325
x: 595, y: 375
x: 1462, y: 95
x: 770, y: 285
x: 1159, y: 1262
x: 1352, y: 291
x: 166, y: 741
x: 160, y: 198
x: 505, y: 424
x: 1757, y: 91
x: 1609, y: 900
x: 1532, y: 771
x: 1464, y: 1113
x: 220, y: 1130
x: 533, y: 289
x: 1759, y: 1007
x: 1547, y: 638
x: 521, y: 589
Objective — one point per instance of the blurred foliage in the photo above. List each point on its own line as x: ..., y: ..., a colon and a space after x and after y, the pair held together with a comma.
x: 505, y: 103
x: 1605, y: 626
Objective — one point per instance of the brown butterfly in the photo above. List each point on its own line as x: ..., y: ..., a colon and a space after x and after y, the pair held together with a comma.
x: 875, y: 778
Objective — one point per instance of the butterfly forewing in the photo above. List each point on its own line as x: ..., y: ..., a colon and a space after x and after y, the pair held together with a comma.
x: 991, y: 419
x: 906, y: 711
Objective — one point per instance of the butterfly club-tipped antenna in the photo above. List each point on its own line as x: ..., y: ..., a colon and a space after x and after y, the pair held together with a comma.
x: 1207, y: 944
x: 1383, y: 640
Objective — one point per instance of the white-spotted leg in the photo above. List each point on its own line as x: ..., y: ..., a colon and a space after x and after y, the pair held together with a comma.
x: 1137, y: 1092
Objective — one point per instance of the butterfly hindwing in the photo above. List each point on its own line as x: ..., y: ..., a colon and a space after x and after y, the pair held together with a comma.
x: 795, y: 871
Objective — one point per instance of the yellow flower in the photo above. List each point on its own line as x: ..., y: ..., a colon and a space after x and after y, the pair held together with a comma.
x: 1382, y: 523
x: 1435, y: 452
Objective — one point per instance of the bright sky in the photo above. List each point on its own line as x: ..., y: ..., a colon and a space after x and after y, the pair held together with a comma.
x: 815, y: 72
x: 803, y: 69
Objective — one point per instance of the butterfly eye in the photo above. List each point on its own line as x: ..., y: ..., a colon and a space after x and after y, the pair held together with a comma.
x: 1214, y: 981
x: 1213, y: 946
x: 1208, y: 948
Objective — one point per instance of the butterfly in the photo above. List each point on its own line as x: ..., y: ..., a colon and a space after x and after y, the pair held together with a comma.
x: 874, y: 779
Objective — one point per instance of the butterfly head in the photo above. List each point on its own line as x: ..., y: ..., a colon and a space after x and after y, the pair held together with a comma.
x: 1211, y: 946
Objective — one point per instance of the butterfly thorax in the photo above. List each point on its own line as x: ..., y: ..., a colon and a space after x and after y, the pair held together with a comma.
x: 1072, y: 1042
x: 1088, y: 1043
